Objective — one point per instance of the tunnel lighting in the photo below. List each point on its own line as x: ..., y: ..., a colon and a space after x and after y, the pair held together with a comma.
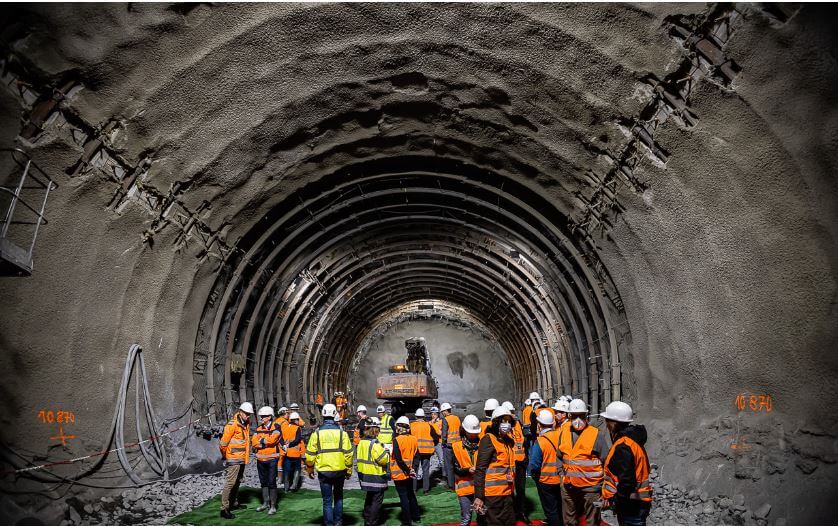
x: 378, y: 392
x: 425, y: 306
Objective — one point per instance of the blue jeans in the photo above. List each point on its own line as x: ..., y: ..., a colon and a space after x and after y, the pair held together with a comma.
x: 331, y: 488
x: 633, y: 516
x: 267, y: 472
x: 290, y: 468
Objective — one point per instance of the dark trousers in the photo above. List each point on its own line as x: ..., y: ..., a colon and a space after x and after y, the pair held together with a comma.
x: 425, y: 462
x: 448, y: 455
x: 631, y: 513
x: 576, y: 502
x: 290, y: 468
x: 267, y: 472
x: 331, y: 489
x: 520, y: 498
x: 407, y: 499
x: 499, y: 511
x: 372, y: 507
x: 550, y: 496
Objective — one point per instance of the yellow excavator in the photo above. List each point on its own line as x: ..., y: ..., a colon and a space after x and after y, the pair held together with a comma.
x: 409, y: 386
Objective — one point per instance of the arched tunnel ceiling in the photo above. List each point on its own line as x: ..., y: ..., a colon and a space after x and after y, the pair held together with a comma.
x: 337, y: 254
x: 634, y: 201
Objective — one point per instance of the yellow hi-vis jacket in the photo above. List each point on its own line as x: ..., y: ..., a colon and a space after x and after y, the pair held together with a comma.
x: 373, y: 460
x: 329, y: 449
x: 385, y: 436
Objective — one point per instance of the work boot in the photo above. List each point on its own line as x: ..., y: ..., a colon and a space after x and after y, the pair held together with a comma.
x: 225, y: 514
x: 265, y: 500
x: 273, y: 502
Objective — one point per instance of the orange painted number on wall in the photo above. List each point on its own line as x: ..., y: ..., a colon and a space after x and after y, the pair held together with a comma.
x: 754, y: 403
x: 61, y: 417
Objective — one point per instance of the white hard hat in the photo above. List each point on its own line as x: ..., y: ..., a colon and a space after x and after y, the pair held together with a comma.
x: 295, y: 405
x: 403, y: 420
x: 420, y: 413
x: 294, y: 416
x: 247, y: 407
x: 545, y: 416
x: 329, y: 411
x: 283, y: 410
x: 445, y: 406
x: 499, y: 412
x: 577, y: 406
x: 379, y: 409
x: 434, y: 409
x: 361, y: 408
x: 471, y: 424
x: 566, y: 397
x: 509, y: 406
x: 535, y: 396
x: 490, y: 405
x: 618, y: 411
x: 527, y: 402
x: 561, y: 405
x: 373, y: 421
x: 266, y: 411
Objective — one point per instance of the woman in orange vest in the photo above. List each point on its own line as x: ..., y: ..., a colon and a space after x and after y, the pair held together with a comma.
x: 427, y: 438
x: 583, y: 448
x: 294, y: 448
x: 494, y: 473
x: 266, y: 446
x: 405, y: 450
x: 626, y: 486
x: 545, y: 467
x: 463, y: 462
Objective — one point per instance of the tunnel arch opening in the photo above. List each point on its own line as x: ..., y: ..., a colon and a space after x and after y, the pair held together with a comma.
x: 316, y: 275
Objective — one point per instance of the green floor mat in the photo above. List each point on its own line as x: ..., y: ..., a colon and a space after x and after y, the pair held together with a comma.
x: 305, y: 508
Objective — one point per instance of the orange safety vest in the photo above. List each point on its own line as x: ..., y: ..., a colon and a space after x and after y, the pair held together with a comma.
x: 500, y: 475
x: 580, y: 467
x: 235, y: 442
x: 526, y: 413
x: 356, y: 435
x: 453, y: 429
x: 271, y: 435
x: 464, y: 484
x: 484, y: 425
x: 437, y: 425
x: 518, y: 436
x: 641, y: 472
x: 408, y: 447
x: 422, y: 431
x: 319, y: 399
x: 280, y: 421
x: 550, y: 463
x: 289, y: 433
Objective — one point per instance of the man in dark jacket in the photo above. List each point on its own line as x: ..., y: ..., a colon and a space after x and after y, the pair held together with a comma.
x: 626, y: 484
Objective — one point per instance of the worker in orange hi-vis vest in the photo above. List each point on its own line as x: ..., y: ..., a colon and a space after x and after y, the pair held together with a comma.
x: 235, y: 450
x: 520, y: 496
x: 583, y: 449
x: 626, y: 485
x: 494, y: 473
x: 427, y: 438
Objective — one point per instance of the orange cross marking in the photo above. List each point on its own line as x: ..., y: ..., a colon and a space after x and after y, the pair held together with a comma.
x: 62, y: 437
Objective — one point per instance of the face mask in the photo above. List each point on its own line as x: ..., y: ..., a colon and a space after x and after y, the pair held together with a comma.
x: 505, y: 427
x: 579, y: 424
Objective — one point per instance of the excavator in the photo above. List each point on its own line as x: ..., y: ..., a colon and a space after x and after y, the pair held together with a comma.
x: 409, y: 386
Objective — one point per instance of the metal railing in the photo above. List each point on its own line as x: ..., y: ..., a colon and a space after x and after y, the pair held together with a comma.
x: 16, y: 259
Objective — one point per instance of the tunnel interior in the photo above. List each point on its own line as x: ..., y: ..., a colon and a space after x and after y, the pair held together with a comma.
x: 330, y: 263
x: 612, y: 201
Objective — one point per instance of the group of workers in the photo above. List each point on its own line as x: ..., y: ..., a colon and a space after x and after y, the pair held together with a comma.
x: 578, y: 469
